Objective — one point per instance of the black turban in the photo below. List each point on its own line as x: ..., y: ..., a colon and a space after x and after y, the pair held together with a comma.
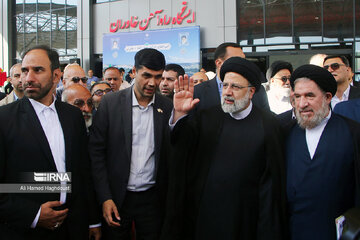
x: 276, y: 67
x: 243, y: 67
x: 323, y: 78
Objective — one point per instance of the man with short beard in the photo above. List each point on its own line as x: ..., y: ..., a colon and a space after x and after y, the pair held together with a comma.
x: 15, y: 80
x: 170, y: 74
x: 227, y: 176
x: 278, y: 76
x: 322, y: 158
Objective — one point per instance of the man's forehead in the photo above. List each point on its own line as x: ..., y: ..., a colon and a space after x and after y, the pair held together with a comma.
x: 332, y: 60
x: 112, y: 72
x: 170, y: 73
x: 101, y: 86
x: 36, y: 58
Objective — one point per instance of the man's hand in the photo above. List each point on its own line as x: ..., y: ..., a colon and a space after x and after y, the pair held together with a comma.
x: 183, y: 97
x: 109, y: 207
x: 95, y: 233
x: 50, y: 218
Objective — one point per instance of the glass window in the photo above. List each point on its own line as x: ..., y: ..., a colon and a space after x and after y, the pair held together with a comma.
x: 58, y: 4
x: 50, y: 22
x: 250, y: 21
x: 43, y: 5
x: 58, y: 28
x: 307, y: 20
x: 278, y: 21
x: 357, y: 22
x: 338, y: 20
x: 44, y: 28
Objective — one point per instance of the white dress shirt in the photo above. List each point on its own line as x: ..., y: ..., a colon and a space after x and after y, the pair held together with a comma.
x: 335, y: 100
x: 313, y: 135
x: 142, y: 166
x: 50, y: 123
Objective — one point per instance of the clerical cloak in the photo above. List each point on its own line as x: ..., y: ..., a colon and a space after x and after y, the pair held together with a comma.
x: 229, y: 183
x: 322, y: 188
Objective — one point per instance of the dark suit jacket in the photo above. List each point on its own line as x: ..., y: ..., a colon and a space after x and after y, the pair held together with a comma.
x: 110, y: 143
x: 350, y: 109
x: 354, y: 92
x: 24, y: 148
x: 208, y: 93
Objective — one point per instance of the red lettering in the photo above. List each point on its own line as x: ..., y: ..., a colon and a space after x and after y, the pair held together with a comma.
x: 134, y: 22
x: 113, y: 27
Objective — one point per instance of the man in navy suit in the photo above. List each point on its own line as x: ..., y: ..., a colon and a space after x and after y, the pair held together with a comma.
x: 127, y: 151
x: 322, y: 158
x: 349, y: 109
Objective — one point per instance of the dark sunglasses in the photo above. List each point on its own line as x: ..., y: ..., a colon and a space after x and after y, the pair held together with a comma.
x: 334, y: 66
x: 77, y: 79
x: 283, y: 78
x: 80, y: 103
x: 101, y: 92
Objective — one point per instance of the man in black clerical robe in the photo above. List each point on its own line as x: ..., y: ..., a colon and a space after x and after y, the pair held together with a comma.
x: 227, y: 174
x: 322, y: 154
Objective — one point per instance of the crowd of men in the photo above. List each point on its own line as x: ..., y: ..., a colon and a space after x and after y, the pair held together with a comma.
x: 168, y: 156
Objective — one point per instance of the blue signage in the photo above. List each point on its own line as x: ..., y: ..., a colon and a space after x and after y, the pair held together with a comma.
x: 179, y: 45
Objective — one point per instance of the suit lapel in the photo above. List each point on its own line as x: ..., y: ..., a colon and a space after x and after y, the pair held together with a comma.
x: 126, y: 117
x: 30, y: 117
x: 67, y: 131
x: 158, y: 125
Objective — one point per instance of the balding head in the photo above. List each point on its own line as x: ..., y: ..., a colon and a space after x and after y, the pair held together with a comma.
x: 73, y: 73
x: 318, y: 59
x: 199, y: 77
x: 79, y: 96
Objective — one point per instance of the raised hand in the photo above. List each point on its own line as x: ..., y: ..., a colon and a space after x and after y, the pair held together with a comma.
x: 183, y: 97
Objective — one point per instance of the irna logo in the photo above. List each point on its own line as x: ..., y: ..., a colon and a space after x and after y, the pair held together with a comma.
x: 52, y: 177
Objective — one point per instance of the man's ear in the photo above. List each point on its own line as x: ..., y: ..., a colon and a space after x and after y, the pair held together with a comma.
x: 252, y: 92
x: 328, y: 97
x: 134, y: 71
x: 57, y: 76
x: 218, y: 63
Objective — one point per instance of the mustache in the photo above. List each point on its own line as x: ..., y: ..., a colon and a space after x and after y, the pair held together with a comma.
x: 30, y: 84
x: 229, y: 98
x: 87, y: 114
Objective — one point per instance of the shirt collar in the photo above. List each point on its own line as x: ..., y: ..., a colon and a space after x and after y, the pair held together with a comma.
x: 135, y: 101
x: 242, y: 114
x: 39, y: 107
x: 15, y: 97
x: 346, y: 93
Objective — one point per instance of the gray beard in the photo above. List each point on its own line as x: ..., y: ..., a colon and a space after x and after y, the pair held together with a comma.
x: 237, y: 106
x: 89, y: 121
x: 306, y: 123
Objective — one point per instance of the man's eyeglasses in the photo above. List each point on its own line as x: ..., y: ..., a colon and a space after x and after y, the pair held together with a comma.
x: 284, y: 78
x: 101, y: 92
x: 114, y: 78
x: 77, y: 79
x: 334, y: 66
x: 234, y: 86
x: 81, y: 103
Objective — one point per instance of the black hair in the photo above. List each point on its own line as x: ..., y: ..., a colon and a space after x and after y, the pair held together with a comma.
x: 122, y: 70
x: 150, y: 58
x: 220, y: 51
x: 97, y: 83
x: 51, y: 53
x: 176, y: 68
x: 343, y: 59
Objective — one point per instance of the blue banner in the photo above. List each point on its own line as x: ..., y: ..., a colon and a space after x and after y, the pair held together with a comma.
x: 179, y: 45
